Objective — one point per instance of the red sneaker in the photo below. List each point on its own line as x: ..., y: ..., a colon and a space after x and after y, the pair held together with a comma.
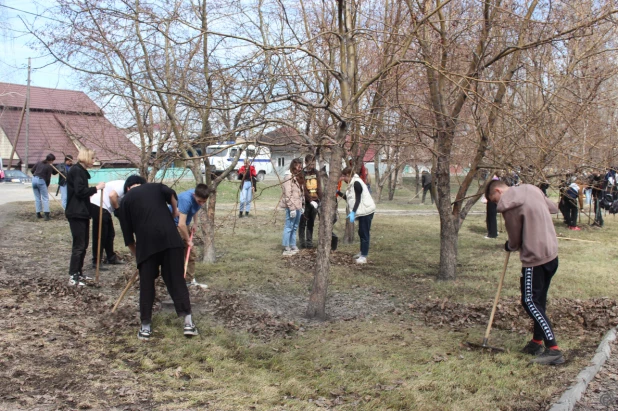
x: 575, y: 228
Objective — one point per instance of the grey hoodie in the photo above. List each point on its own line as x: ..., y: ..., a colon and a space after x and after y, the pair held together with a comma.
x: 527, y: 215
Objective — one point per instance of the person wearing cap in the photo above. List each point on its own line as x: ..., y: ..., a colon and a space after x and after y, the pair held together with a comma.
x: 62, y: 179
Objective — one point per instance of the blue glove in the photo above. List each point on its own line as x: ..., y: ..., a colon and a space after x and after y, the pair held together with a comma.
x: 351, y: 216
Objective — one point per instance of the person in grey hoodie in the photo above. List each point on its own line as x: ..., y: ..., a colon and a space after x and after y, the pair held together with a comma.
x: 527, y: 215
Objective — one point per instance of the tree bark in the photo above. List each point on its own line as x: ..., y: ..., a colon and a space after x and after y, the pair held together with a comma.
x: 317, y: 300
x: 209, y: 230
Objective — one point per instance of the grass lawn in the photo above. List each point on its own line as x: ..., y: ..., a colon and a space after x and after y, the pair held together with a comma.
x: 376, y: 352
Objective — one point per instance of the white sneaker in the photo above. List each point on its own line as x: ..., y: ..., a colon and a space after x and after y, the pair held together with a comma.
x: 76, y: 281
x: 355, y: 256
x: 361, y: 260
x: 288, y: 253
x: 294, y: 250
x: 194, y: 283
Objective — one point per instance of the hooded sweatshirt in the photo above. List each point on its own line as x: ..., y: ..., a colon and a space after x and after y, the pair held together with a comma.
x: 527, y: 216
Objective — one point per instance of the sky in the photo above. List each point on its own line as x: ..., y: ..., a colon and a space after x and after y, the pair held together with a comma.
x: 14, y: 49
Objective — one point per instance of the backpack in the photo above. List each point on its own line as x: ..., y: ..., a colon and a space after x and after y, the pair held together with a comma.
x: 613, y: 209
x: 607, y: 202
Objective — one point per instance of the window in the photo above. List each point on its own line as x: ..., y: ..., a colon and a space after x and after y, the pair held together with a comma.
x: 250, y: 154
x: 233, y: 152
x: 281, y: 162
x: 216, y: 151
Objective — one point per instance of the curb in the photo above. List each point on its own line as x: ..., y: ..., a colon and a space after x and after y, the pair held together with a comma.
x: 569, y: 398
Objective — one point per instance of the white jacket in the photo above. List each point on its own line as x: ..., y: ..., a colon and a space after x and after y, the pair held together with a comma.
x: 366, y: 205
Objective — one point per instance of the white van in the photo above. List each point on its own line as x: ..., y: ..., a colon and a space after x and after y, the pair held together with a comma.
x: 222, y: 155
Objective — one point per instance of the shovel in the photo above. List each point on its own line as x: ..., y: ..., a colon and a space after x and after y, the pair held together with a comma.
x: 484, y: 345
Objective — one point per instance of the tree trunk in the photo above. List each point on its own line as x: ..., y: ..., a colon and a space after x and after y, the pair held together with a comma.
x: 449, y: 236
x: 392, y: 185
x: 317, y: 299
x: 417, y: 178
x: 449, y: 225
x: 209, y: 230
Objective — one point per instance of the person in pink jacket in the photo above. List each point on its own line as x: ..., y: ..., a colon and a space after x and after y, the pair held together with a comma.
x: 292, y: 201
x: 527, y: 216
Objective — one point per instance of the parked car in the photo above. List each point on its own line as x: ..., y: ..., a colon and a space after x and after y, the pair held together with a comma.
x: 16, y: 176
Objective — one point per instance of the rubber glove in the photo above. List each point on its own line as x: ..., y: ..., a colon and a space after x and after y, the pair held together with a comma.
x: 314, y: 204
x: 292, y: 213
x: 351, y: 216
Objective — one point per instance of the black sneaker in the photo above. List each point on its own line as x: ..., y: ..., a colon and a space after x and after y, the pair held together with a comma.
x: 190, y: 330
x: 533, y: 348
x: 549, y: 357
x: 114, y: 260
x: 144, y: 334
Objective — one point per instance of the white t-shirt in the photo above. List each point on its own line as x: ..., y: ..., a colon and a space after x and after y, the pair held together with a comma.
x: 117, y: 186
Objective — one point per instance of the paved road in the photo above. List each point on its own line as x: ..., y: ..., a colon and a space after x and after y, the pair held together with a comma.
x: 10, y: 192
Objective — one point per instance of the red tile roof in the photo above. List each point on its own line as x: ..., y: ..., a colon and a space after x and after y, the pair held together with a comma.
x: 14, y: 95
x: 61, y: 121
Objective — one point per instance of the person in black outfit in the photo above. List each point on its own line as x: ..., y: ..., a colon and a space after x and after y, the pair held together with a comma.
x: 78, y: 213
x: 62, y: 182
x: 312, y: 190
x: 596, y: 185
x: 42, y: 172
x: 426, y: 183
x: 150, y: 233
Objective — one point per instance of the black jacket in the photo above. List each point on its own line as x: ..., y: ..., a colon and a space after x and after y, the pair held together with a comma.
x: 78, y: 193
x: 147, y: 222
x: 62, y: 181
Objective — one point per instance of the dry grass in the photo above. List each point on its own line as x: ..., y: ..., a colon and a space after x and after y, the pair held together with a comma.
x: 388, y: 361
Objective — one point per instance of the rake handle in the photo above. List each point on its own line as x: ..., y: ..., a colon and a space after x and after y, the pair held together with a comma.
x: 188, y: 252
x: 493, y: 309
x: 129, y: 284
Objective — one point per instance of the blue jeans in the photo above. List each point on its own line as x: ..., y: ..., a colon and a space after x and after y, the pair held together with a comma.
x: 246, y: 195
x: 364, y: 227
x: 289, y: 230
x: 63, y: 195
x: 40, y: 194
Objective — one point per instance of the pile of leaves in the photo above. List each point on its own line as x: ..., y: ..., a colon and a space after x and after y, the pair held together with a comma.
x: 570, y: 316
x: 230, y: 309
x: 305, y: 260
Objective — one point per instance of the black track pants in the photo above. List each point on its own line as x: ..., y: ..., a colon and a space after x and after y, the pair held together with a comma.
x: 79, y: 231
x: 534, y: 284
x: 172, y: 270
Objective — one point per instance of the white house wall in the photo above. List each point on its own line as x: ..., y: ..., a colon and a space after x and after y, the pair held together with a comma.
x: 6, y: 147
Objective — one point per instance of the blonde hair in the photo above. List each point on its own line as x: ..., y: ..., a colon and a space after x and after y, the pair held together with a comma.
x: 86, y: 156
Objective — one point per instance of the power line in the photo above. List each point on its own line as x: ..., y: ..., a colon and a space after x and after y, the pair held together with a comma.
x: 31, y: 13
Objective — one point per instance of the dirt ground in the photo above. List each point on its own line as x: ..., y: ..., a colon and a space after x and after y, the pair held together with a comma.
x: 55, y: 338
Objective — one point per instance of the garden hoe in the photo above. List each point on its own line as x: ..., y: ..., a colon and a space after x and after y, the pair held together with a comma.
x: 484, y: 345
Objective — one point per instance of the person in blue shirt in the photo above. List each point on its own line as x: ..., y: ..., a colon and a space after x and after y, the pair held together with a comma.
x: 189, y: 203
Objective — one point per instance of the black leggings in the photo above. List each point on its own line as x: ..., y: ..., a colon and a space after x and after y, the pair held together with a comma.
x: 534, y: 285
x: 171, y: 262
x: 79, y: 231
x: 107, y: 233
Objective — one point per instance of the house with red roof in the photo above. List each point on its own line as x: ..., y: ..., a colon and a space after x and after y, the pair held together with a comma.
x: 60, y: 122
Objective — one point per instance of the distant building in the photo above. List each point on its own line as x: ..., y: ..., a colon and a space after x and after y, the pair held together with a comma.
x: 60, y: 122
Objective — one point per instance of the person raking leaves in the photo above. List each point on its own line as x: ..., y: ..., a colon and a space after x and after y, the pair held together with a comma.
x: 527, y: 215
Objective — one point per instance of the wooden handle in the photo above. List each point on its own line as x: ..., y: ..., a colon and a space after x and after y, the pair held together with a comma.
x: 129, y: 284
x: 99, y: 236
x: 493, y: 310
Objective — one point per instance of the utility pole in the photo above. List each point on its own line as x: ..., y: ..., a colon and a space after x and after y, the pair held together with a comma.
x: 26, y: 165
